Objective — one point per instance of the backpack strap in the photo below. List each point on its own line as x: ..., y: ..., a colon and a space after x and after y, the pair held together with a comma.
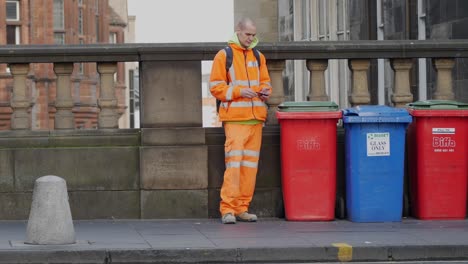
x: 228, y: 51
x: 257, y: 56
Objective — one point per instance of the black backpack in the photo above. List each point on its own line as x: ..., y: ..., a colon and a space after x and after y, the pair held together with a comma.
x: 228, y: 51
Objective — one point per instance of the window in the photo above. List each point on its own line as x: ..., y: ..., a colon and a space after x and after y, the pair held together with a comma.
x: 97, y: 29
x: 323, y: 20
x: 96, y: 9
x: 13, y: 33
x: 12, y: 22
x: 59, y: 27
x: 80, y: 20
x: 81, y: 65
x: 12, y: 11
x: 305, y: 20
x: 342, y: 30
x: 59, y: 38
x: 112, y: 37
x: 58, y: 15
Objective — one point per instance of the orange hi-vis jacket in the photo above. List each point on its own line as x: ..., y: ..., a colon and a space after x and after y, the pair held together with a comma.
x: 243, y: 73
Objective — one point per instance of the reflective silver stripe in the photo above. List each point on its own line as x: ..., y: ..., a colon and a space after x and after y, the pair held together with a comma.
x: 267, y: 83
x: 258, y: 74
x: 229, y: 93
x: 251, y: 153
x: 237, y: 164
x: 224, y: 104
x: 232, y: 73
x: 247, y: 104
x: 241, y: 82
x: 254, y: 83
x: 233, y: 164
x: 212, y: 84
x: 233, y: 153
x: 245, y: 152
x: 252, y: 64
x: 249, y: 164
x: 245, y: 83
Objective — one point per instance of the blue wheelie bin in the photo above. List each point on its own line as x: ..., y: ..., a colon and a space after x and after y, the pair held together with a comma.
x: 374, y: 162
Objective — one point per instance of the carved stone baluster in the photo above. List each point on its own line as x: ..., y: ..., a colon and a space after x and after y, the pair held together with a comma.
x: 402, y: 92
x: 444, y: 89
x: 107, y: 101
x: 317, y: 91
x: 275, y: 69
x: 360, y: 92
x: 20, y: 100
x: 64, y: 102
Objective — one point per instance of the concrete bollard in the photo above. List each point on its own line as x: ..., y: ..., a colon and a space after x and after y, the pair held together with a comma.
x: 50, y: 221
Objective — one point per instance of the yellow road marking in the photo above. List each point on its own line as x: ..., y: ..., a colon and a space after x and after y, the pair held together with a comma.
x: 345, y: 251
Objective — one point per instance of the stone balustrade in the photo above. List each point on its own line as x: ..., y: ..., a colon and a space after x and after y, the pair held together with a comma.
x: 178, y: 66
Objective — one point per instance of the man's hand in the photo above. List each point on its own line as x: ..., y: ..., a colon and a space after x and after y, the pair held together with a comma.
x: 264, y: 94
x: 248, y: 93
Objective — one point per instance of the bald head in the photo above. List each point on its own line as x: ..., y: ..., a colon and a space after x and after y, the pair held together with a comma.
x: 244, y: 22
x: 246, y: 31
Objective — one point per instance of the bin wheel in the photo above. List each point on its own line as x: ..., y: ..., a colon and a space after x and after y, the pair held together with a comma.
x: 340, y: 208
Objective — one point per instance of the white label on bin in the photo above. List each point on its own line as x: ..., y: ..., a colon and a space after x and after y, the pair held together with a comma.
x: 443, y: 131
x: 442, y: 139
x: 378, y: 144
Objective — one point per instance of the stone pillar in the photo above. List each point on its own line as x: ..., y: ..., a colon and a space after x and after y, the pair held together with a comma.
x: 170, y: 94
x: 107, y: 101
x: 173, y: 152
x: 402, y: 92
x: 360, y: 92
x: 20, y: 100
x: 317, y: 91
x: 64, y: 102
x: 50, y: 221
x: 275, y: 69
x: 444, y: 89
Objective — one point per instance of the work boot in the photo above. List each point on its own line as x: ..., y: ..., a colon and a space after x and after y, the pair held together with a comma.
x: 228, y: 218
x: 246, y: 217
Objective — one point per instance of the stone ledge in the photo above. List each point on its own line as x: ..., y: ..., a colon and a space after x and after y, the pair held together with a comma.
x: 69, y: 138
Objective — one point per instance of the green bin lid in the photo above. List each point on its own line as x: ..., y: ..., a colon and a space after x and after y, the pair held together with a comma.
x: 438, y: 104
x: 308, y: 106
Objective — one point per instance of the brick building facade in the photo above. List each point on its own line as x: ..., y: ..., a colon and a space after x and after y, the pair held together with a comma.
x: 59, y: 22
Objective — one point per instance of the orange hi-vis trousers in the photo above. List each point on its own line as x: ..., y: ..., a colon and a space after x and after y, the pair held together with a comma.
x: 242, y: 152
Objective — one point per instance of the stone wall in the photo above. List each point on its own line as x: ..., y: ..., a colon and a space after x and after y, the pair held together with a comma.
x: 265, y: 15
x: 116, y: 174
x: 101, y: 170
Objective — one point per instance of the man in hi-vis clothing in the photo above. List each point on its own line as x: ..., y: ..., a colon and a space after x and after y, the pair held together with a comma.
x: 242, y: 90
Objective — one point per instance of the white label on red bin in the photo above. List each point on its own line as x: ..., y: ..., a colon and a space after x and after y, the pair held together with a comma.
x: 443, y: 131
x: 442, y: 139
x: 378, y: 144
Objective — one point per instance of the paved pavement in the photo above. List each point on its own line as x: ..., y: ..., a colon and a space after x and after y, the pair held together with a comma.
x: 267, y: 241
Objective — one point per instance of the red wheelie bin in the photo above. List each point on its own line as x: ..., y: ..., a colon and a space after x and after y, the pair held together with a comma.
x: 438, y: 159
x: 308, y: 159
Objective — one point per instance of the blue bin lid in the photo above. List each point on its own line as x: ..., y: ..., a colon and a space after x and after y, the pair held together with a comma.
x: 376, y: 114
